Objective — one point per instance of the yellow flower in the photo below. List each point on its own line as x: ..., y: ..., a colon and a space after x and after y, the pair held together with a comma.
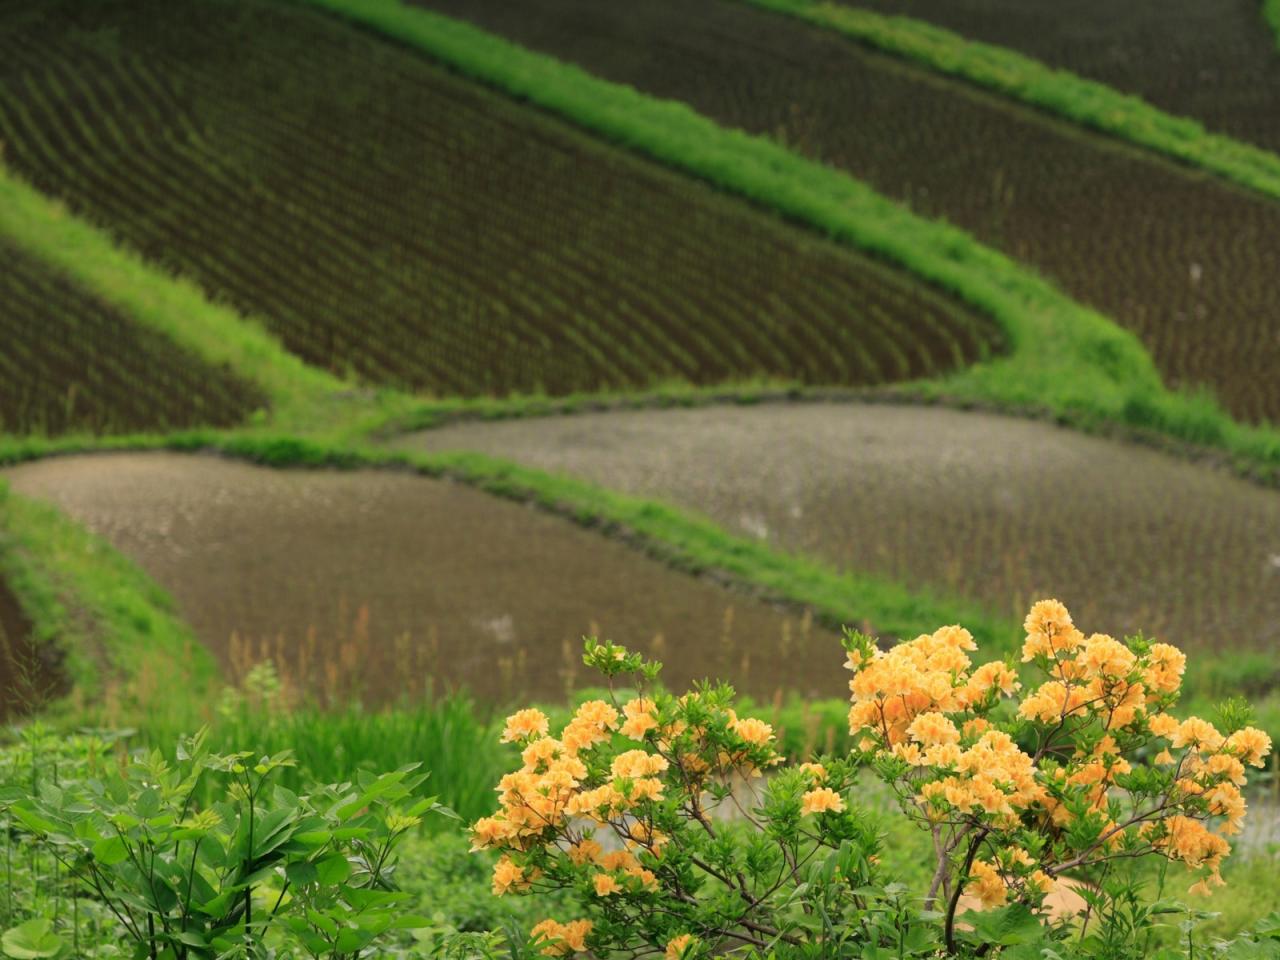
x: 677, y: 947
x: 752, y: 730
x: 561, y: 939
x: 633, y: 764
x: 585, y: 851
x: 931, y: 728
x: 816, y: 771
x: 507, y: 876
x: 524, y: 724
x: 986, y: 884
x: 1163, y: 725
x: 819, y: 800
x: 639, y: 714
x: 1194, y: 732
x: 1250, y: 744
x: 605, y: 884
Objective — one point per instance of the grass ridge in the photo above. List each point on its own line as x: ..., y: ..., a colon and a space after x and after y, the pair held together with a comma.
x: 1085, y: 102
x: 1066, y: 358
x: 171, y: 306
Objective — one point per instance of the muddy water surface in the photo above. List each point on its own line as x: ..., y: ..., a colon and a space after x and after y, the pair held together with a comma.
x: 378, y: 583
x: 998, y: 509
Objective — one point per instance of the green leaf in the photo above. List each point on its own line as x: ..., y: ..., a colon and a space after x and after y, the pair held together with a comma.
x: 333, y: 869
x: 1006, y: 927
x: 110, y: 851
x: 31, y: 941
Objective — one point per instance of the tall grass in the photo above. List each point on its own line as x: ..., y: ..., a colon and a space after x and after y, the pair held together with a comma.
x: 1066, y: 359
x: 1086, y: 102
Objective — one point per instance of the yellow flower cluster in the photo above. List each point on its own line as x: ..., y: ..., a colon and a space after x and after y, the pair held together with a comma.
x: 922, y: 703
x: 561, y: 939
x: 990, y: 881
x: 927, y: 675
x: 678, y: 947
x: 821, y: 800
x: 543, y: 804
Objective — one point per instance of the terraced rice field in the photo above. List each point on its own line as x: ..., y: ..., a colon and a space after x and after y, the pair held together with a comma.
x: 1182, y: 259
x: 995, y: 509
x: 71, y: 362
x: 368, y: 583
x: 1215, y: 62
x: 389, y: 219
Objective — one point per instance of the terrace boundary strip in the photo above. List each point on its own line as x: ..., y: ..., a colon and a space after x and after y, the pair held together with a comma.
x: 110, y: 622
x: 171, y: 306
x: 123, y: 599
x: 682, y: 540
x: 1066, y: 359
x: 1088, y: 103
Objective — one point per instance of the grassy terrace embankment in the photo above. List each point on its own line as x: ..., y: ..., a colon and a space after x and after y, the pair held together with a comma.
x: 388, y: 219
x: 1172, y: 254
x: 993, y: 509
x: 73, y: 362
x: 1214, y: 62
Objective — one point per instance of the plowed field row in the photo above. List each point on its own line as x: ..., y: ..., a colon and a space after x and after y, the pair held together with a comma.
x: 70, y: 362
x: 1216, y: 62
x: 1181, y: 259
x: 388, y: 219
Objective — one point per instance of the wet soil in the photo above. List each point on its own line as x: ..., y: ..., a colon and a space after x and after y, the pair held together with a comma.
x: 380, y: 585
x: 993, y: 508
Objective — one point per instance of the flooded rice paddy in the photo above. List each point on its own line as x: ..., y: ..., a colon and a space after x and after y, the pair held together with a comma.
x: 379, y: 584
x: 993, y: 508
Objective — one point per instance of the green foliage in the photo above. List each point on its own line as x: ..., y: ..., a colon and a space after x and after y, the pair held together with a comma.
x: 1082, y: 101
x: 1271, y: 12
x: 259, y: 868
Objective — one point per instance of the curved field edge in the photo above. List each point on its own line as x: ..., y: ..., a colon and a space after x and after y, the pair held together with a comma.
x: 681, y: 539
x: 173, y: 307
x: 116, y: 631
x: 1061, y: 92
x: 1065, y: 358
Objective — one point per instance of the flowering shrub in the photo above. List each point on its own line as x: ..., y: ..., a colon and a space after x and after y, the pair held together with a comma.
x: 637, y: 805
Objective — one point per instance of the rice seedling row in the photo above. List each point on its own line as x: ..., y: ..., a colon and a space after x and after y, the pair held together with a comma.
x: 1217, y: 63
x: 390, y: 220
x: 1176, y: 256
x: 73, y: 363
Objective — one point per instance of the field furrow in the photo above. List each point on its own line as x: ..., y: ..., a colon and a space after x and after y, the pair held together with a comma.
x: 1189, y: 263
x: 388, y: 219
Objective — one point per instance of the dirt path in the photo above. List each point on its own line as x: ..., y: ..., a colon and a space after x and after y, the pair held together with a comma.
x: 995, y: 508
x: 372, y: 582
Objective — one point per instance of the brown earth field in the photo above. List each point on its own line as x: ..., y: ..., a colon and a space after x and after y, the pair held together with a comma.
x: 1214, y: 62
x: 387, y: 218
x: 28, y: 677
x: 992, y: 508
x: 70, y: 362
x: 381, y: 584
x: 1184, y: 260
